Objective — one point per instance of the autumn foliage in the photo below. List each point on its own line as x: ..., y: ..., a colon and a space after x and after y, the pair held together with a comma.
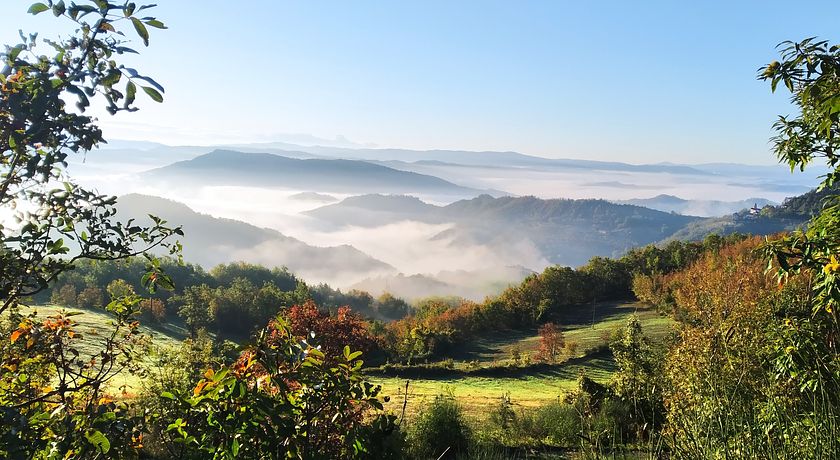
x: 330, y: 332
x: 552, y: 342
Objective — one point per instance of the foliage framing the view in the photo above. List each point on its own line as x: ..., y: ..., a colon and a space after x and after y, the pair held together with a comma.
x: 52, y: 398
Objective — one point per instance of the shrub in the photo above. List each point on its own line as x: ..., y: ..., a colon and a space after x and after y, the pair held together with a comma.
x: 283, y: 398
x: 440, y: 428
x: 560, y: 423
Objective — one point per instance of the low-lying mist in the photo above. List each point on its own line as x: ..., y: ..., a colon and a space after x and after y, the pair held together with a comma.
x: 435, y: 249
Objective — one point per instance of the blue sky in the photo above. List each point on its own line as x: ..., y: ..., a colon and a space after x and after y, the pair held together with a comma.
x: 637, y: 82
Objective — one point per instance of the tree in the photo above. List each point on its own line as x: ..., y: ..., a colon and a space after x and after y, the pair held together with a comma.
x: 330, y: 332
x: 391, y: 307
x: 52, y: 394
x: 65, y: 296
x: 196, y: 309
x: 808, y: 345
x: 119, y: 288
x: 552, y: 341
x: 153, y: 310
x: 90, y: 297
x: 637, y: 378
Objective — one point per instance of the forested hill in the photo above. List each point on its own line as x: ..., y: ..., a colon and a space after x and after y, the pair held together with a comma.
x: 791, y: 214
x: 209, y: 241
x: 227, y: 167
x: 601, y: 214
x: 703, y: 208
x: 566, y: 232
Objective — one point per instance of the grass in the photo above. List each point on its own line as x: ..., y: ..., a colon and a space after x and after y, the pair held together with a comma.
x: 93, y: 324
x: 526, y: 390
x: 578, y: 328
x: 478, y: 393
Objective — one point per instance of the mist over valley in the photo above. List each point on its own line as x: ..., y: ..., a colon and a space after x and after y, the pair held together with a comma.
x: 412, y: 222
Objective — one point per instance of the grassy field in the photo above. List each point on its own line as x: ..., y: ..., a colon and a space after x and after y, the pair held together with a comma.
x: 580, y: 328
x: 525, y: 389
x: 476, y: 394
x: 93, y: 324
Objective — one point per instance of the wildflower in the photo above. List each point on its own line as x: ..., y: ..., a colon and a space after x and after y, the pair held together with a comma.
x: 832, y: 266
x: 790, y: 349
x: 788, y: 323
x: 829, y: 309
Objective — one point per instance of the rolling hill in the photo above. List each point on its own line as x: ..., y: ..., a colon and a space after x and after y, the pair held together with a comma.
x: 228, y: 167
x: 793, y: 213
x: 702, y: 208
x: 566, y: 232
x: 209, y: 241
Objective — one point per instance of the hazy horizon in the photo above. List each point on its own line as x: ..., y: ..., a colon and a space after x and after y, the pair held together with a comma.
x: 616, y: 81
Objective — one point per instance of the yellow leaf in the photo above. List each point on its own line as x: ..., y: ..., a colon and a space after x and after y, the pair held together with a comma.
x: 30, y: 342
x: 209, y: 374
x: 199, y: 387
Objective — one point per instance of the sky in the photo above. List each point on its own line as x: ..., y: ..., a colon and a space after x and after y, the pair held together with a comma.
x: 637, y: 82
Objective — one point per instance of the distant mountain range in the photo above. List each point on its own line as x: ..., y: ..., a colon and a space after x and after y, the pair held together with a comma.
x: 566, y: 232
x: 504, y: 159
x: 227, y: 167
x: 209, y: 241
x: 314, y: 197
x: 702, y: 208
x: 440, y: 176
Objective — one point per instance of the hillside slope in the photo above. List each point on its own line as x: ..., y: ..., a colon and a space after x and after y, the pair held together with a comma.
x: 228, y: 167
x: 702, y: 208
x: 793, y: 213
x: 566, y: 232
x: 210, y: 240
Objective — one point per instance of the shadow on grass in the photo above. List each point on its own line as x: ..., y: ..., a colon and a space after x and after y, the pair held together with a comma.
x: 598, y: 360
x: 571, y: 318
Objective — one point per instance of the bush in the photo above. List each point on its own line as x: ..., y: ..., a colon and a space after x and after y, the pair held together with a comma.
x: 439, y: 427
x: 560, y: 423
x: 283, y: 398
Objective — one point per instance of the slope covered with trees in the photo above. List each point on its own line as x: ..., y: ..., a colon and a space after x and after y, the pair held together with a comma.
x: 566, y: 232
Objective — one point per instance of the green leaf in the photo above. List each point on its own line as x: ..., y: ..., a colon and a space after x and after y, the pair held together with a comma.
x: 141, y: 30
x: 234, y: 447
x: 156, y: 24
x: 165, y: 282
x: 130, y: 93
x: 37, y: 8
x: 153, y: 93
x: 99, y: 440
x: 58, y: 9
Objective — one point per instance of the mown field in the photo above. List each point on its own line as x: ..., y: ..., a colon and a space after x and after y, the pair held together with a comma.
x: 527, y: 386
x: 526, y: 389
